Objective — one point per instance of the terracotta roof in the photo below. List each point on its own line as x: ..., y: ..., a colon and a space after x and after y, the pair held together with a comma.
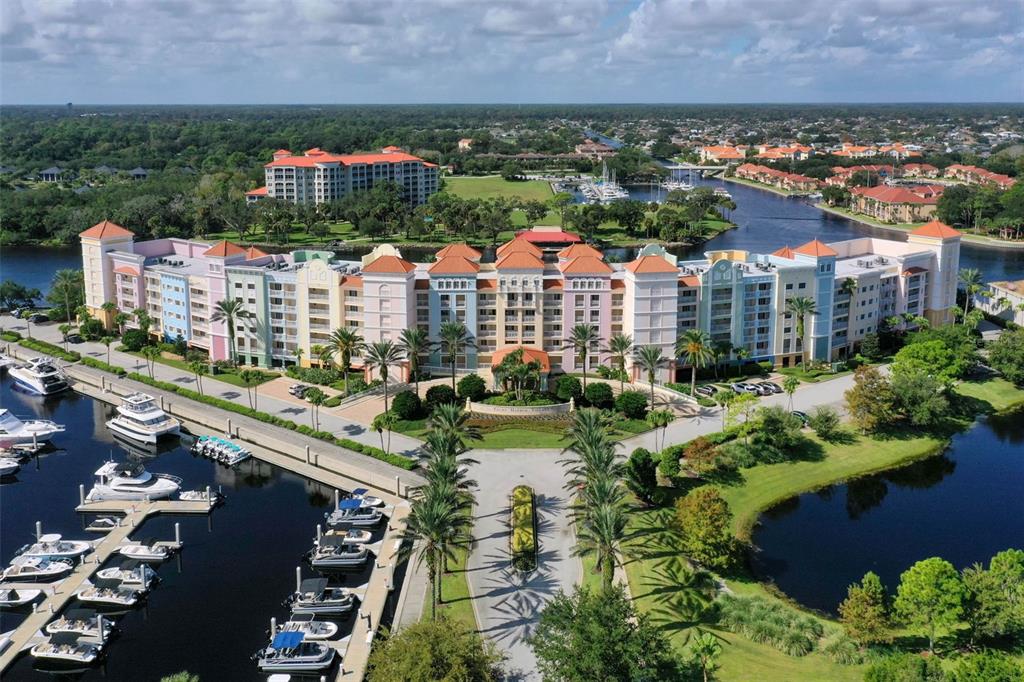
x: 392, y: 148
x: 315, y: 156
x: 223, y: 249
x: 646, y: 265
x: 486, y: 284
x: 530, y: 354
x: 784, y: 252
x: 937, y: 230
x: 105, y: 230
x: 258, y: 192
x: 127, y: 270
x: 518, y: 245
x: 549, y: 237
x: 389, y: 265
x: 817, y: 249
x: 352, y: 281
x: 585, y: 265
x: 893, y: 195
x: 577, y: 250
x: 519, y: 261
x: 283, y: 151
x: 464, y: 250
x: 454, y: 265
x: 689, y: 281
x: 914, y: 271
x: 252, y: 253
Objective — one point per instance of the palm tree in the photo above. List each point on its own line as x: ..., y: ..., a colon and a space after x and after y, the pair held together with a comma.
x: 380, y: 355
x: 455, y: 339
x: 64, y: 330
x: 970, y: 278
x: 316, y: 398
x: 720, y: 350
x: 619, y: 346
x: 230, y: 311
x: 705, y: 650
x: 660, y: 419
x: 432, y: 531
x: 106, y: 341
x: 694, y: 346
x: 581, y: 338
x: 650, y: 359
x: 789, y: 385
x: 741, y: 354
x: 385, y: 421
x: 848, y: 287
x: 198, y: 368
x: 120, y: 320
x: 601, y: 533
x: 801, y: 307
x: 151, y: 353
x: 67, y: 283
x: 416, y: 343
x: 451, y: 418
x: 346, y: 344
x: 251, y: 378
x: 299, y: 352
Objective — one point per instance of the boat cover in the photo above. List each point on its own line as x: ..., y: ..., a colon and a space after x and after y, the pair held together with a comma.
x: 360, y: 491
x: 80, y: 614
x: 62, y: 638
x: 333, y: 541
x: 315, y: 585
x: 287, y: 640
x: 350, y: 504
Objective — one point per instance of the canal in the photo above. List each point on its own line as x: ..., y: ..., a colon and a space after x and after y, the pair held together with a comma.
x: 962, y: 505
x: 212, y: 609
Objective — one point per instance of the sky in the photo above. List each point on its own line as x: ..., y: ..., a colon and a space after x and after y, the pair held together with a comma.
x: 521, y: 51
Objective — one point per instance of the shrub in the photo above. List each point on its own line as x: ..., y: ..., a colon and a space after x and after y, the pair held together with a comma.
x: 738, y: 455
x: 668, y: 465
x: 530, y: 399
x: 8, y: 335
x: 769, y: 623
x: 905, y: 668
x: 599, y: 394
x: 318, y: 375
x: 641, y: 474
x: 568, y: 387
x: 825, y: 421
x: 442, y: 394
x: 50, y: 349
x: 840, y: 648
x: 615, y: 373
x: 333, y: 401
x: 524, y: 541
x: 98, y: 364
x: 134, y: 339
x: 473, y: 387
x: 92, y: 330
x: 407, y: 405
x: 632, y: 404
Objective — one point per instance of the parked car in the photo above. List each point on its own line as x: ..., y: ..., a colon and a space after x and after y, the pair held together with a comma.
x: 801, y: 416
x: 75, y: 338
x: 299, y: 390
x: 706, y: 391
x: 37, y: 318
x: 771, y: 387
x: 740, y: 387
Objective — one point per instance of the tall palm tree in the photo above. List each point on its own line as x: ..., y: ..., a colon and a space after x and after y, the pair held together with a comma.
x: 801, y: 307
x: 198, y: 368
x: 451, y: 418
x: 251, y: 378
x: 416, y: 343
x: 316, y: 398
x: 741, y: 354
x: 455, y: 339
x: 601, y: 533
x: 385, y: 421
x: 694, y: 346
x: 432, y: 531
x: 970, y: 278
x: 68, y: 283
x: 299, y: 352
x: 660, y: 419
x: 619, y: 346
x: 581, y: 338
x: 380, y: 355
x: 106, y: 341
x: 230, y: 311
x: 651, y: 359
x: 345, y: 344
x: 721, y: 350
x: 110, y: 308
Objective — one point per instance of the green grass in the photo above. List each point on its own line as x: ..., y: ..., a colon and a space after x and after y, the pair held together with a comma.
x: 494, y: 186
x: 767, y: 188
x: 297, y: 237
x: 868, y: 219
x: 1000, y: 394
x: 457, y: 603
x: 813, y: 376
x: 229, y: 376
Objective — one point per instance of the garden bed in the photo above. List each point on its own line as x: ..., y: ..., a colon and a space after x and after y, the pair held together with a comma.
x: 523, y: 541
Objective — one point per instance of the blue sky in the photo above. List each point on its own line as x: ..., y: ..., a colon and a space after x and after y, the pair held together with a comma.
x: 392, y: 51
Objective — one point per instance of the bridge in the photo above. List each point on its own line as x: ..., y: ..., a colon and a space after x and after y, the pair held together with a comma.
x: 693, y: 167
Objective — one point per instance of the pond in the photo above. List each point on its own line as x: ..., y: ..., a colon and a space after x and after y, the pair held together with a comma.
x: 963, y: 505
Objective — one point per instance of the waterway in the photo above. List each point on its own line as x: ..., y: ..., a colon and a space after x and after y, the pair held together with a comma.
x: 962, y: 505
x: 213, y: 607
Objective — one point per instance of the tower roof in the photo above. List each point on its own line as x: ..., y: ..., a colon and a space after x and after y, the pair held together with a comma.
x: 223, y: 249
x: 816, y: 248
x: 586, y: 265
x: 646, y: 265
x: 519, y: 260
x: 463, y: 250
x: 936, y: 229
x: 392, y: 265
x: 454, y: 265
x: 105, y: 230
x: 784, y: 252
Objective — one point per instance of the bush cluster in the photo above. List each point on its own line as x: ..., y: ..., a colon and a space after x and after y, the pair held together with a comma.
x: 50, y: 349
x: 524, y: 541
x: 473, y: 387
x: 599, y: 394
x: 99, y: 364
x: 9, y: 335
x: 442, y: 394
x: 407, y: 406
x: 770, y: 623
x: 633, y: 404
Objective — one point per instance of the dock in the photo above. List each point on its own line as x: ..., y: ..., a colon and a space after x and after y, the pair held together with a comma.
x: 58, y: 594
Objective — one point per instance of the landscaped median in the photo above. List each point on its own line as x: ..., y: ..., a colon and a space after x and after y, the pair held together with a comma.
x: 523, y: 542
x: 50, y: 349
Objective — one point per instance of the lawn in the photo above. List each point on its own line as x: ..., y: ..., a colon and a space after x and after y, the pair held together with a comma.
x: 298, y: 237
x: 229, y: 376
x: 1000, y: 394
x: 494, y: 186
x: 457, y: 603
x: 518, y: 434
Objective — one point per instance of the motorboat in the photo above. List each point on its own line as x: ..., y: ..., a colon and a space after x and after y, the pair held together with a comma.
x: 353, y: 513
x: 11, y: 597
x: 314, y: 597
x: 15, y: 431
x: 310, y: 627
x: 131, y: 481
x: 6, y: 361
x: 131, y: 573
x: 289, y: 652
x: 9, y: 466
x: 52, y: 546
x: 33, y: 569
x: 212, y: 497
x: 41, y: 376
x: 83, y: 622
x: 722, y: 192
x: 145, y: 551
x: 352, y: 536
x: 103, y: 524
x: 68, y: 646
x: 677, y: 185
x: 108, y: 592
x: 221, y: 450
x: 140, y: 418
x: 333, y: 552
x: 365, y: 499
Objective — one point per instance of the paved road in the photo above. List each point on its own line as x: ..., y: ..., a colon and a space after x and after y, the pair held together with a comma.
x: 508, y: 604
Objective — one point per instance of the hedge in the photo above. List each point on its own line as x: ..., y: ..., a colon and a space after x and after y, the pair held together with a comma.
x: 524, y: 538
x: 395, y: 460
x: 99, y: 364
x: 333, y: 401
x: 50, y: 349
x: 10, y: 336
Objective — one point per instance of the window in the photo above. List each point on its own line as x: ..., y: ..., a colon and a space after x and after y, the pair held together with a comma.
x: 803, y: 285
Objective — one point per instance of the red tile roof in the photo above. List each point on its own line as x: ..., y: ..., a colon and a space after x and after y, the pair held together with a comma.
x: 389, y: 265
x: 258, y: 192
x: 913, y: 271
x: 816, y: 248
x: 127, y: 270
x: 650, y: 264
x: 618, y: 284
x: 894, y: 195
x: 454, y: 265
x: 253, y: 253
x: 585, y: 265
x: 518, y: 245
x: 549, y: 237
x: 784, y: 252
x: 530, y: 354
x: 105, y: 230
x: 463, y: 250
x: 689, y: 281
x: 223, y: 249
x: 936, y: 229
x: 315, y: 156
x: 519, y: 261
x: 486, y: 284
x: 353, y: 282
x: 577, y: 250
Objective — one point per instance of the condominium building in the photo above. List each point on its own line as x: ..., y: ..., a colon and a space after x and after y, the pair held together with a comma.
x: 897, y: 204
x: 316, y: 176
x: 527, y: 297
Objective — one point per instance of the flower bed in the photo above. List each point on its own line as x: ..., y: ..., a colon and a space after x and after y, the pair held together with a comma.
x: 524, y: 529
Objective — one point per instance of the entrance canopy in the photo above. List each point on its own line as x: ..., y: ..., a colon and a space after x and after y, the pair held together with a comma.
x: 530, y: 354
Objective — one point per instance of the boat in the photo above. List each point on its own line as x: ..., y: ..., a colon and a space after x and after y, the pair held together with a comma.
x: 353, y: 513
x: 677, y: 185
x: 333, y: 552
x: 352, y: 536
x: 108, y: 592
x: 131, y: 481
x: 68, y: 646
x: 31, y: 569
x: 722, y: 192
x: 310, y: 627
x: 140, y: 418
x: 314, y: 597
x: 41, y: 376
x: 103, y: 524
x: 145, y: 551
x: 52, y: 546
x: 289, y: 652
x: 11, y: 597
x: 15, y: 431
x: 221, y: 450
x: 201, y: 496
x: 9, y: 466
x: 131, y: 573
x: 365, y: 499
x: 6, y: 361
x: 84, y: 622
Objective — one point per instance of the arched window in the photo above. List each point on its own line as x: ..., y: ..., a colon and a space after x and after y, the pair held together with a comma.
x: 385, y: 291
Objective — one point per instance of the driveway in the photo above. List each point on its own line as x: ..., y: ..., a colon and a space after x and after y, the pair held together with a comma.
x: 508, y: 604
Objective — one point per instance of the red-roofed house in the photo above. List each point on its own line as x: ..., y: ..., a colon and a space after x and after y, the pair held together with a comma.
x: 895, y: 204
x: 254, y: 195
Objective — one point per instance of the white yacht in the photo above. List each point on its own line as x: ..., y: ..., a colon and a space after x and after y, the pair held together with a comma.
x: 289, y: 652
x: 41, y: 375
x: 131, y: 574
x: 109, y: 592
x: 353, y: 513
x: 9, y: 466
x: 144, y: 552
x: 6, y: 361
x: 310, y: 627
x: 682, y: 185
x: 333, y: 552
x: 103, y: 524
x: 84, y: 622
x: 131, y: 481
x: 314, y: 597
x: 52, y: 546
x: 14, y: 431
x: 31, y: 569
x: 352, y: 536
x: 140, y: 418
x: 365, y: 499
x: 68, y: 647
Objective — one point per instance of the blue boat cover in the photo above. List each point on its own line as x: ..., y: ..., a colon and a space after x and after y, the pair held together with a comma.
x: 360, y: 491
x: 287, y: 640
x: 350, y: 504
